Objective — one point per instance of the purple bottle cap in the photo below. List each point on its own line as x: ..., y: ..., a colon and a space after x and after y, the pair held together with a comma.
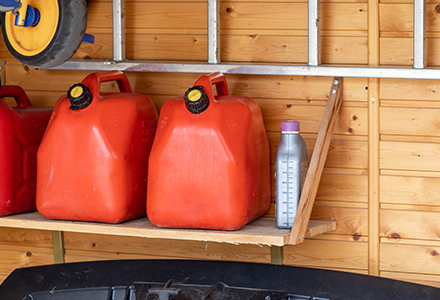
x: 290, y: 126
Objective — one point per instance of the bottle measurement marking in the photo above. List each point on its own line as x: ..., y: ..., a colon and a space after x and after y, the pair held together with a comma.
x: 288, y: 175
x: 288, y: 189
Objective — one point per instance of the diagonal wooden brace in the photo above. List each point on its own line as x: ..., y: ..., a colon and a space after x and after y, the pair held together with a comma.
x: 319, y: 156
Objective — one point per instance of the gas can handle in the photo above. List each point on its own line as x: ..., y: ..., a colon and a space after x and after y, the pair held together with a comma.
x: 94, y: 80
x: 17, y: 93
x: 215, y: 78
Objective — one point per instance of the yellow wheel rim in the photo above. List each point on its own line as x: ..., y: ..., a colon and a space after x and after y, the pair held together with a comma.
x: 30, y: 41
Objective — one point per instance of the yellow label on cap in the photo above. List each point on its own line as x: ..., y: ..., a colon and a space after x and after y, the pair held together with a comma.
x: 76, y: 91
x: 194, y: 95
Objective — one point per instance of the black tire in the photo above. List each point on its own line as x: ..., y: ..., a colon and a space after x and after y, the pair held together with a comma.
x: 68, y: 37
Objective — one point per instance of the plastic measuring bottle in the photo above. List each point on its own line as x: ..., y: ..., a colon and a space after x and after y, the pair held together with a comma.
x: 290, y: 173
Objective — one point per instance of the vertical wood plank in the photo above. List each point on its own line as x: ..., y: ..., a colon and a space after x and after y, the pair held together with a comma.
x: 317, y: 162
x: 373, y: 141
x: 373, y: 178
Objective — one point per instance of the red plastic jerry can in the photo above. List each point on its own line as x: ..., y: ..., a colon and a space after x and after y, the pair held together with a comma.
x: 209, y: 165
x: 21, y: 131
x: 93, y: 159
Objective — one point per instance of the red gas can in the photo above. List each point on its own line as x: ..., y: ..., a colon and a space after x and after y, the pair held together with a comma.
x: 209, y: 166
x: 92, y: 161
x: 21, y: 130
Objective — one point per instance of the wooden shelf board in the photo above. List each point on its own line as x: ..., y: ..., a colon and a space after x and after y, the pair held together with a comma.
x: 262, y: 231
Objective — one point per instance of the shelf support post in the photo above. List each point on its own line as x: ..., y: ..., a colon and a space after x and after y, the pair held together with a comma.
x: 58, y: 246
x: 314, y: 16
x: 119, y: 30
x: 214, y: 32
x: 276, y: 255
x: 317, y: 162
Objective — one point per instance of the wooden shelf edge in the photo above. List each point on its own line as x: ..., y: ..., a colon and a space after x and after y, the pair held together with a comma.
x: 319, y: 227
x: 261, y: 232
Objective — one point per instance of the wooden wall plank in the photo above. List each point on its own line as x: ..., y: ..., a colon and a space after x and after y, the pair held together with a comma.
x: 432, y: 280
x: 264, y: 48
x: 409, y: 156
x: 410, y: 224
x: 351, y: 120
x: 327, y: 254
x: 73, y: 256
x: 344, y: 50
x: 294, y: 87
x: 415, y: 190
x: 253, y: 46
x: 26, y: 238
x: 23, y: 256
x: 410, y: 258
x: 410, y: 207
x: 398, y: 17
x: 335, y: 16
x: 164, y: 248
x: 235, y: 14
x: 351, y: 221
x: 150, y: 14
x: 24, y: 248
x: 348, y: 154
x: 343, y: 187
x: 272, y: 15
x: 350, y: 16
x: 364, y: 272
x: 234, y: 48
x: 396, y: 240
x: 396, y: 51
x: 410, y: 121
x: 342, y: 153
x: 163, y: 47
x: 338, y: 185
x: 410, y: 89
x: 415, y: 103
x: 399, y: 51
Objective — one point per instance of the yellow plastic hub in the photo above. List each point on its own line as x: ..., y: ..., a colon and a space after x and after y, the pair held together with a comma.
x: 30, y: 41
x: 194, y: 95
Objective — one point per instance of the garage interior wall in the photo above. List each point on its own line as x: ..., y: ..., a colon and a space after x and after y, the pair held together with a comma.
x: 381, y: 180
